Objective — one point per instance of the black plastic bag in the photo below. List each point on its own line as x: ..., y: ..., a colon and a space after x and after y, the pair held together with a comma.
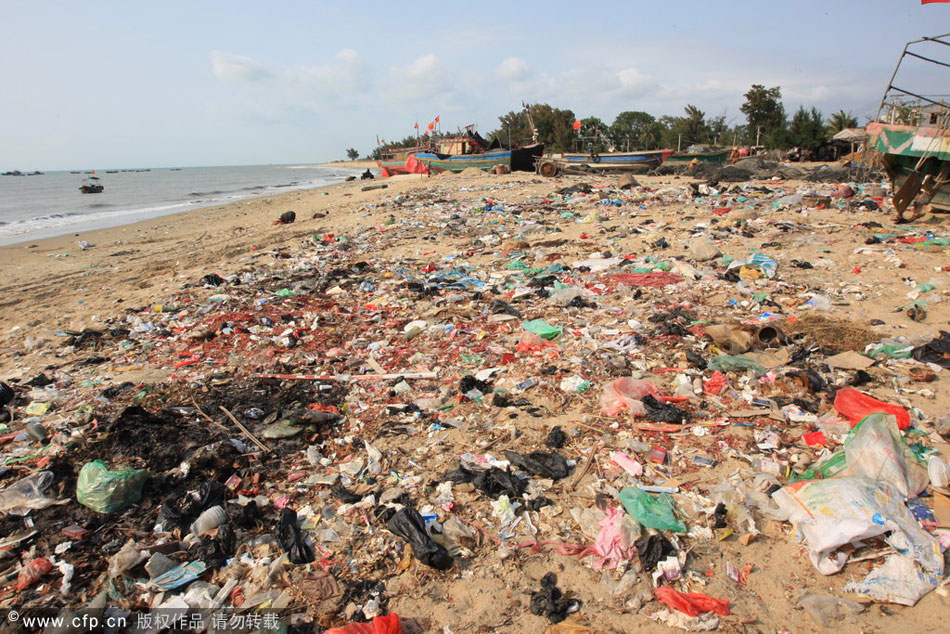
x: 215, y: 551
x: 181, y: 510
x: 543, y: 464
x: 937, y: 351
x: 499, y: 307
x: 652, y: 550
x: 6, y: 394
x: 495, y: 482
x: 663, y: 412
x: 344, y: 494
x: 556, y: 438
x: 549, y: 601
x: 469, y: 383
x: 408, y: 524
x: 696, y: 359
x: 292, y: 540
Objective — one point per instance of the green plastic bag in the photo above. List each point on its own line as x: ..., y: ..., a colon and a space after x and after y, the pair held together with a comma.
x: 655, y: 512
x: 107, y: 491
x: 726, y: 363
x: 543, y: 329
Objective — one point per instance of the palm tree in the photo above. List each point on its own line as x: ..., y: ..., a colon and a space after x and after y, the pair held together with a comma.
x: 840, y: 121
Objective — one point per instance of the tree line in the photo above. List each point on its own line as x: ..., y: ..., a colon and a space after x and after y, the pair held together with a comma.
x: 766, y: 124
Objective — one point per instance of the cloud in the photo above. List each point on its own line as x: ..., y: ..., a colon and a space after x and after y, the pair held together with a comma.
x: 342, y: 76
x: 426, y: 78
x: 237, y: 68
x: 513, y: 69
x: 632, y: 82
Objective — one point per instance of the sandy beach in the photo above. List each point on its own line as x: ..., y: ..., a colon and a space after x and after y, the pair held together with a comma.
x: 54, y: 285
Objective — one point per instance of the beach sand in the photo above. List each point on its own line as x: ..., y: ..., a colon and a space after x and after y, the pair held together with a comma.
x: 52, y: 285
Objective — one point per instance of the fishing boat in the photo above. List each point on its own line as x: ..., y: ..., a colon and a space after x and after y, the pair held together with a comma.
x: 912, y: 132
x: 471, y: 150
x: 91, y: 185
x: 393, y: 161
x: 639, y: 161
x: 699, y: 154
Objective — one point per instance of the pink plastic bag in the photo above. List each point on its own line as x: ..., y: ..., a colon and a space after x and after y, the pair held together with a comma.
x: 615, y: 543
x: 531, y: 342
x: 856, y: 406
x: 626, y: 393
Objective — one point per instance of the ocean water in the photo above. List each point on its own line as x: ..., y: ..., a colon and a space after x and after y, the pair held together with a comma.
x: 33, y: 207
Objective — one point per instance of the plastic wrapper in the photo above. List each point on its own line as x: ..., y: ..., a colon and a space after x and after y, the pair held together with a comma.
x: 24, y: 495
x: 691, y: 603
x: 655, y: 512
x: 106, y: 491
x: 408, y: 524
x: 856, y: 406
x: 543, y: 329
x: 531, y: 342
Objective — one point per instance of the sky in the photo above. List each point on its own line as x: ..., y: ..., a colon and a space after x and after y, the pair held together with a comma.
x: 129, y: 84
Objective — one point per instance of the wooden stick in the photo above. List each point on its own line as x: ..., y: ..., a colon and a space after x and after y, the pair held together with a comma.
x: 208, y: 418
x: 245, y: 430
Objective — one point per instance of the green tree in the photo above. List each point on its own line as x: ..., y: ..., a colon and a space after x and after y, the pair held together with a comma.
x: 593, y: 134
x: 765, y: 113
x: 652, y: 136
x: 682, y: 132
x: 807, y: 128
x: 719, y: 130
x: 841, y: 120
x: 352, y: 154
x: 554, y: 125
x: 629, y: 128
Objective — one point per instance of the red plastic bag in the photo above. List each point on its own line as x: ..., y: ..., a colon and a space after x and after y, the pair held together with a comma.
x: 388, y: 624
x: 531, y: 342
x: 626, y: 394
x: 716, y: 383
x: 691, y: 603
x: 856, y: 406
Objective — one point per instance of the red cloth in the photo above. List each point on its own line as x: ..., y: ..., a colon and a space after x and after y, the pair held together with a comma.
x: 655, y: 279
x: 691, y: 603
x: 856, y: 406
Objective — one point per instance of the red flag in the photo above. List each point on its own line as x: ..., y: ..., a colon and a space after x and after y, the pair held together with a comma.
x: 416, y: 126
x: 932, y: 1
x: 437, y: 119
x: 431, y: 125
x: 577, y: 124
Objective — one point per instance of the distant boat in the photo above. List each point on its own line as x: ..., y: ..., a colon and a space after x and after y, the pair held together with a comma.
x: 552, y: 164
x: 91, y: 186
x: 471, y: 150
x: 700, y: 154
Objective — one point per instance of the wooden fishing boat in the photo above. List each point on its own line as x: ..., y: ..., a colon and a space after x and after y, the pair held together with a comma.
x: 472, y: 150
x: 699, y: 154
x: 912, y: 132
x: 638, y: 161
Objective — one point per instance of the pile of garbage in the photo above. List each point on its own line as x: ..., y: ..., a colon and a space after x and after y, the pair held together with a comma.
x: 346, y: 424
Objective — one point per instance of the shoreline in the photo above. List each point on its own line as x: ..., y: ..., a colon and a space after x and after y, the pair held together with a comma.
x: 161, y: 209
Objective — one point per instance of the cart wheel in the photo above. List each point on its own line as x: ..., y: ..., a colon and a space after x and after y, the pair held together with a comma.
x: 547, y: 168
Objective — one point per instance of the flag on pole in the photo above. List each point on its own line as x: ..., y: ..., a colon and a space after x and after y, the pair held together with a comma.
x: 932, y: 1
x: 416, y: 126
x: 577, y: 124
x: 432, y: 125
x: 437, y: 120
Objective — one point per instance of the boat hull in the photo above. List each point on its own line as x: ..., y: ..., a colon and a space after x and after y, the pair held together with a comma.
x: 907, y: 149
x: 684, y: 158
x: 517, y: 160
x: 617, y: 160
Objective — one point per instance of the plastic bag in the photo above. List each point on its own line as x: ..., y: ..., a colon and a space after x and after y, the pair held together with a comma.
x: 291, y: 538
x: 531, y: 342
x: 106, y: 491
x: 898, y: 580
x: 627, y: 393
x: 829, y: 611
x: 408, y: 524
x: 874, y: 449
x: 615, y: 543
x: 540, y: 463
x: 856, y: 406
x: 388, y: 624
x: 832, y: 513
x: 24, y: 495
x: 543, y: 329
x: 936, y: 351
x: 691, y: 603
x: 549, y: 601
x: 726, y: 363
x: 655, y: 512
